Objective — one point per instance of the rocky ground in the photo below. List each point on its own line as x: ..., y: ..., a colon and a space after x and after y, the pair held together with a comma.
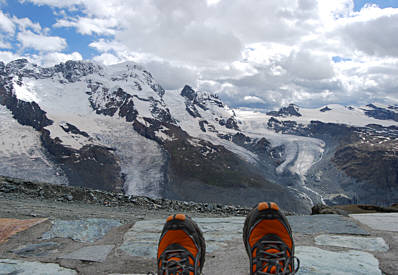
x: 73, y: 196
x: 93, y: 232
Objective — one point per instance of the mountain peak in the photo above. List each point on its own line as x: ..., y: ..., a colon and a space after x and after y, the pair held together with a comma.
x: 291, y: 110
x: 73, y: 70
x: 188, y: 92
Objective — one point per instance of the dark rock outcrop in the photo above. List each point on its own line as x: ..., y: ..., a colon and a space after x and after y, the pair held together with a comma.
x: 69, y: 128
x: 92, y: 166
x: 188, y: 93
x: 381, y: 113
x: 26, y: 113
x: 325, y: 109
x: 291, y: 110
x: 74, y: 70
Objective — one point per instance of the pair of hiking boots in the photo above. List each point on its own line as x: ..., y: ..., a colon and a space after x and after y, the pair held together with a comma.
x: 266, y: 234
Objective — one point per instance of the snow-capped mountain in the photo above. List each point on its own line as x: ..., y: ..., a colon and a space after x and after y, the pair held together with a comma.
x: 115, y: 128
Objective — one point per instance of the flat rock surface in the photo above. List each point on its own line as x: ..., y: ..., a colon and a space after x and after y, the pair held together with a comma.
x: 316, y: 261
x: 143, y: 237
x: 89, y: 230
x: 97, y: 253
x: 225, y: 254
x: 356, y: 242
x: 28, y: 268
x: 330, y: 224
x: 379, y: 221
x: 37, y: 250
x: 9, y: 227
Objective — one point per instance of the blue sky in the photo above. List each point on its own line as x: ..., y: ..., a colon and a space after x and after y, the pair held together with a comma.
x: 358, y: 4
x: 47, y: 17
x: 253, y: 54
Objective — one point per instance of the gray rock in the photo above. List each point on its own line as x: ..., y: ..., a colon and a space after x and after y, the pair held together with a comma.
x: 38, y: 250
x: 89, y: 230
x: 142, y: 239
x: 69, y: 197
x: 356, y: 242
x: 19, y: 267
x: 379, y: 221
x: 316, y: 261
x: 96, y: 253
x: 330, y: 224
x: 146, y: 249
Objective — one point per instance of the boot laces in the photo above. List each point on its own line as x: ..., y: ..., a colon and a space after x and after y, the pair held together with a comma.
x: 176, y: 262
x: 272, y: 257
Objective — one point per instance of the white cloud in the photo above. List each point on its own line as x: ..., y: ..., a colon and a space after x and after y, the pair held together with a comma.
x: 6, y: 23
x: 41, y: 42
x: 103, y: 45
x: 252, y: 99
x: 170, y: 76
x: 26, y: 23
x: 7, y: 56
x: 90, y: 26
x: 252, y: 53
x: 47, y: 59
x: 304, y: 64
x: 52, y: 58
x: 3, y: 44
x: 373, y: 31
x: 108, y: 59
x: 180, y: 35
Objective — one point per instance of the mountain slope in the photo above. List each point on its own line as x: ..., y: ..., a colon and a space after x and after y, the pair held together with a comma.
x: 114, y: 128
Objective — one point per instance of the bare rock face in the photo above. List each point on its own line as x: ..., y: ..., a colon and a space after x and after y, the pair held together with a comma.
x: 9, y: 266
x: 373, y: 163
x: 26, y: 113
x: 79, y: 165
x: 382, y: 113
x: 291, y: 110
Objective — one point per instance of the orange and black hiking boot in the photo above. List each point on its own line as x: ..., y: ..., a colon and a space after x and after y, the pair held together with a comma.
x: 182, y: 248
x: 268, y: 240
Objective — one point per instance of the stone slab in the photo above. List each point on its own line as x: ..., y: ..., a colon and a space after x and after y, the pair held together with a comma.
x: 316, y: 261
x: 19, y: 267
x: 379, y: 221
x: 356, y: 242
x: 89, y: 230
x: 97, y: 253
x: 327, y: 224
x: 10, y: 227
x: 142, y: 239
x: 36, y: 250
x: 232, y: 260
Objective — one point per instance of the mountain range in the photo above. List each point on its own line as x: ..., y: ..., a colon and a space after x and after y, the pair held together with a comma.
x: 115, y: 128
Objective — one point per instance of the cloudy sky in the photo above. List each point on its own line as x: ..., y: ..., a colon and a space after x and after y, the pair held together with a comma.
x: 254, y: 54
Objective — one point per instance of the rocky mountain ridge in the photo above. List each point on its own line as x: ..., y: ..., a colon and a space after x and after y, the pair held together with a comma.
x: 115, y: 128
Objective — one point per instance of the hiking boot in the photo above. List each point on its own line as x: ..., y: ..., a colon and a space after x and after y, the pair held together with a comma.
x: 181, y: 247
x: 268, y: 240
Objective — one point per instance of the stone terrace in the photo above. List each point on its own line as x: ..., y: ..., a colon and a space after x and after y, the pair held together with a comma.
x: 325, y: 244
